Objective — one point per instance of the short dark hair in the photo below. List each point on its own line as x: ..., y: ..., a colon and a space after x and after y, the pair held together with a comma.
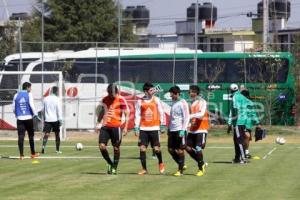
x: 195, y: 88
x: 147, y: 86
x: 54, y: 90
x: 112, y: 88
x: 246, y: 93
x: 26, y: 85
x: 175, y: 89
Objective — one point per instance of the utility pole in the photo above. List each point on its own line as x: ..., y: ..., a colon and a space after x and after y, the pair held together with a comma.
x: 265, y: 24
x: 196, y: 42
x: 6, y: 9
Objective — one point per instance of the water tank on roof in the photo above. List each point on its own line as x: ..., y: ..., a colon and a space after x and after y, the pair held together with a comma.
x: 278, y: 9
x: 129, y: 11
x: 206, y: 12
x: 141, y: 15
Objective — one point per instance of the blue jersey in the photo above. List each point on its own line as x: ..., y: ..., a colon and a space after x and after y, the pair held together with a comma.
x: 22, y: 105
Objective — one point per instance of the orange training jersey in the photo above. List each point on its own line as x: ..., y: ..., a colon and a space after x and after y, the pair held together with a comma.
x: 149, y: 114
x: 199, y: 116
x: 113, y: 111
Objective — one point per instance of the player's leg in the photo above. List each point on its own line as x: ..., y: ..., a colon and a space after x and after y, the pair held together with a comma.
x: 200, y: 145
x: 180, y: 147
x: 47, y: 129
x: 191, y: 144
x: 247, y: 143
x: 30, y: 131
x: 21, y: 135
x: 237, y: 156
x: 116, y: 140
x: 171, y: 145
x: 143, y: 143
x: 240, y: 134
x: 154, y: 137
x: 103, y: 139
x: 56, y: 129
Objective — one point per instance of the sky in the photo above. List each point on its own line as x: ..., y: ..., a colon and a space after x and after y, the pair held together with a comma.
x: 163, y: 15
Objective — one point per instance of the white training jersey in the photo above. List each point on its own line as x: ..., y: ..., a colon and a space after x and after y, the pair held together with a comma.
x: 179, y: 115
x: 52, y: 109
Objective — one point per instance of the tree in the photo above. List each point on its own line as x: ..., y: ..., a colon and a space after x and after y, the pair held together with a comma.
x: 8, y: 44
x: 78, y: 21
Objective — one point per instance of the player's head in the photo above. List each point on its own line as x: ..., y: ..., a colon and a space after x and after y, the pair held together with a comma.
x: 112, y: 90
x: 174, y: 92
x: 147, y: 88
x: 233, y: 87
x: 26, y: 86
x: 246, y: 93
x: 54, y: 90
x: 194, y: 91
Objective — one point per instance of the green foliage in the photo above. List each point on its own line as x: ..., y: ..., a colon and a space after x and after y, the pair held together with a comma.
x: 78, y: 21
x: 8, y: 44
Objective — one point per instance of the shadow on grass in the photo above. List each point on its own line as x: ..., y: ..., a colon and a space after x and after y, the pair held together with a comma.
x: 222, y: 162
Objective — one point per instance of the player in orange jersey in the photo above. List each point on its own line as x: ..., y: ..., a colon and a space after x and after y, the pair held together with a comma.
x: 113, y: 107
x: 149, y: 120
x: 198, y: 130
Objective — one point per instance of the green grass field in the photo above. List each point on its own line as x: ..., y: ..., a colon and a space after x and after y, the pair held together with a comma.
x: 66, y: 177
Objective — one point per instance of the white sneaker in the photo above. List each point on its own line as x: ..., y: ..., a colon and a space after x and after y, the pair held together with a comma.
x: 58, y: 152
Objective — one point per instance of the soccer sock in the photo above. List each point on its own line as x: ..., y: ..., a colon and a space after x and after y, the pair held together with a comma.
x: 143, y: 159
x: 45, y: 139
x: 159, y: 156
x: 200, y: 161
x: 21, y: 144
x: 57, y: 141
x: 180, y: 162
x: 105, y: 155
x: 116, y: 158
x: 174, y: 156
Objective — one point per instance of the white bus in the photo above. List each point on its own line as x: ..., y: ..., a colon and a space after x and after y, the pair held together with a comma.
x: 87, y: 74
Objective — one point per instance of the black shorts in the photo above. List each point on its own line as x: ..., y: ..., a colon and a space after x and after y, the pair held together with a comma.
x: 196, y: 139
x: 176, y: 142
x: 149, y: 136
x: 113, y: 133
x: 51, y: 126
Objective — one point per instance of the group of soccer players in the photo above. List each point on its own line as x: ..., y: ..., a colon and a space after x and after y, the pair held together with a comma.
x: 187, y: 128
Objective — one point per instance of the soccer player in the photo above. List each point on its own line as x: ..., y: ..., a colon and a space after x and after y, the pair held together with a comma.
x: 199, y: 119
x: 251, y: 120
x: 53, y: 118
x: 179, y: 119
x: 237, y: 119
x: 149, y: 120
x: 114, y: 106
x: 24, y: 110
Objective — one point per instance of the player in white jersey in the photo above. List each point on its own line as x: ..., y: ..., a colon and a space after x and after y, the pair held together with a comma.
x: 179, y: 119
x: 53, y: 118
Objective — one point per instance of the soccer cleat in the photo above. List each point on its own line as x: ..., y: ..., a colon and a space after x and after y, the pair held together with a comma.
x: 113, y: 171
x: 58, y: 152
x: 200, y: 173
x: 184, y: 167
x: 109, y: 169
x: 235, y: 161
x: 248, y: 156
x: 143, y: 172
x: 161, y: 167
x: 34, y: 155
x: 203, y: 168
x: 21, y: 157
x: 178, y: 173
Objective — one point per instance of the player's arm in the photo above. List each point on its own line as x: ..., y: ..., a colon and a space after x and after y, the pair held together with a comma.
x: 100, y: 111
x: 32, y: 105
x: 137, y: 117
x: 161, y: 112
x: 126, y: 112
x: 186, y: 115
x: 13, y: 103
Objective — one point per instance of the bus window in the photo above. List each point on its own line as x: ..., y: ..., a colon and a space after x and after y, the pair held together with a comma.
x: 267, y: 70
x: 211, y: 70
x: 25, y: 62
x: 109, y: 68
x: 184, y: 70
x: 48, y: 66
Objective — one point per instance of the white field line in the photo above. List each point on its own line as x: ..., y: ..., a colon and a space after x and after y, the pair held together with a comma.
x: 269, y: 153
x: 122, y: 146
